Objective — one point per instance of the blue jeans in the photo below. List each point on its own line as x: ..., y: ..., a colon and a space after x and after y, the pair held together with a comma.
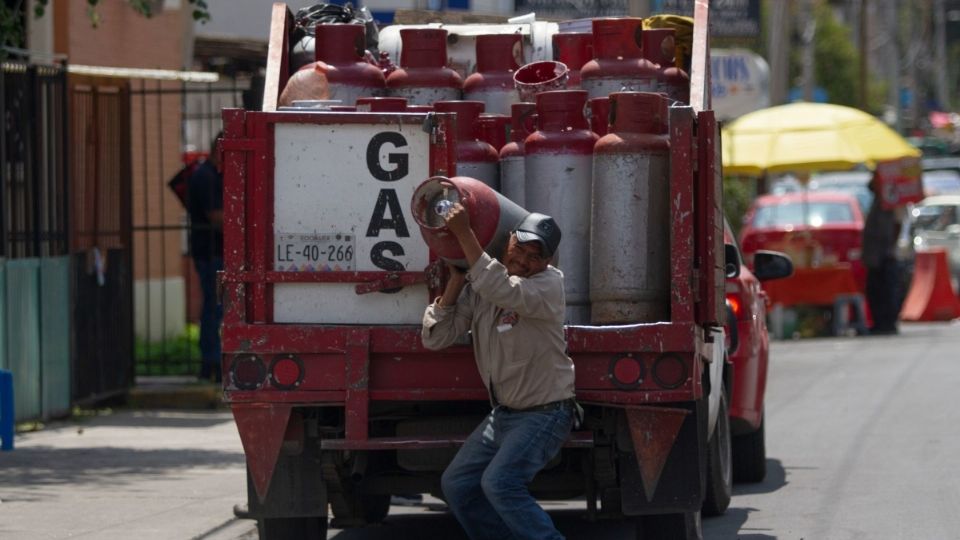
x: 486, y: 484
x: 210, y: 317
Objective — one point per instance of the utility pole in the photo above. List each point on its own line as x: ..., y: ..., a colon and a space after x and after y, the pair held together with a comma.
x: 862, y: 40
x: 940, y: 66
x: 808, y: 33
x: 778, y: 50
x: 893, y: 63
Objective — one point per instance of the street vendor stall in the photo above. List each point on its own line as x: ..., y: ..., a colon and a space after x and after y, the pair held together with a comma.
x: 802, y: 138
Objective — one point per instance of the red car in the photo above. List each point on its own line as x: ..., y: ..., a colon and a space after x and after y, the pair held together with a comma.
x: 749, y: 350
x: 815, y: 228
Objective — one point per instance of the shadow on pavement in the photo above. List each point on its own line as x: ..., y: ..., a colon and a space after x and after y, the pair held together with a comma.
x: 776, y: 478
x: 730, y: 525
x: 154, y: 419
x: 37, y: 467
x: 569, y: 522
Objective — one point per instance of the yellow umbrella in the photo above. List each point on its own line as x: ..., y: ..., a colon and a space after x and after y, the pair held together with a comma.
x: 808, y: 137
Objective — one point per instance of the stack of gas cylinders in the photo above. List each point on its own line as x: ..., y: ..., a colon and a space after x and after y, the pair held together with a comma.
x: 582, y: 138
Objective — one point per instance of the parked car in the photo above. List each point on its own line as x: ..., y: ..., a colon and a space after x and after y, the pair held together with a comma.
x: 935, y: 222
x: 941, y: 163
x: 749, y: 352
x: 814, y: 228
x: 941, y: 182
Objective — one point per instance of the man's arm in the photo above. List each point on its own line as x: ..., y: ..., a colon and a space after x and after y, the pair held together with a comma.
x: 448, y: 318
x: 490, y: 279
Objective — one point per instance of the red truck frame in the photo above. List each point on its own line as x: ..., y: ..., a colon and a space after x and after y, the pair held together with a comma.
x: 346, y: 415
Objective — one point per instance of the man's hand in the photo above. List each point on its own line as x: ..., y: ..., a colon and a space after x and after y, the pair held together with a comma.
x: 457, y: 220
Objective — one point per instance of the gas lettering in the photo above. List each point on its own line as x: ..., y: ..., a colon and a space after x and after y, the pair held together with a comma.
x: 382, y: 261
x: 387, y: 211
x: 387, y: 200
x: 401, y: 162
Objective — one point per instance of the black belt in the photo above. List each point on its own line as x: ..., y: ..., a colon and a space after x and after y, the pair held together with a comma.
x: 552, y: 406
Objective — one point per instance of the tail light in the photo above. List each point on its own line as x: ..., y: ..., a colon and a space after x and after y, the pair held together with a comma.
x: 626, y: 372
x: 248, y: 372
x: 286, y: 372
x: 736, y: 304
x: 669, y: 371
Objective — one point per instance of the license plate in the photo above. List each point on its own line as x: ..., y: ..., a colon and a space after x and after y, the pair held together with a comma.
x: 306, y: 252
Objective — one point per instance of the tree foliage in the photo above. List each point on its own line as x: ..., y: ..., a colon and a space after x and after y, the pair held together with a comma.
x: 144, y: 7
x: 13, y: 23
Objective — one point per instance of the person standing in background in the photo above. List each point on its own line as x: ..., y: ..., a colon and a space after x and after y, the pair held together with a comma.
x: 880, y: 233
x: 205, y: 206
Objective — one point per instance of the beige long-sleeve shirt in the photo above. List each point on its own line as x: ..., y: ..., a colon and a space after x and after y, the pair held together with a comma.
x: 517, y: 326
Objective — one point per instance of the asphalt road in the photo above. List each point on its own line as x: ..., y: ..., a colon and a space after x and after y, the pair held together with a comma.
x: 862, y: 437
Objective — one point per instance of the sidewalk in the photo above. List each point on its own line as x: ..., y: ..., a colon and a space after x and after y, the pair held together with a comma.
x: 140, y: 474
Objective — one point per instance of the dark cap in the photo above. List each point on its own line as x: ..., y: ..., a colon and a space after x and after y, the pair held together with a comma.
x: 539, y: 228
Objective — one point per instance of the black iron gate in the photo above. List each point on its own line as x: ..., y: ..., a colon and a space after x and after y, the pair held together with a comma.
x: 173, y: 123
x: 33, y: 156
x: 101, y: 246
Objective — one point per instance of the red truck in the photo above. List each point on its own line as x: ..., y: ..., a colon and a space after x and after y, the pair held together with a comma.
x: 337, y: 402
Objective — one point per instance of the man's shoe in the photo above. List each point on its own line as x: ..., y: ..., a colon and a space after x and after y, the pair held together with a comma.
x: 406, y: 500
x: 242, y: 511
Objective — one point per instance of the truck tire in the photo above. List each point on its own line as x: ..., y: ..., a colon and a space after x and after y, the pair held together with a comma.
x: 719, y: 464
x: 750, y: 456
x: 685, y: 526
x: 295, y: 528
x: 375, y: 507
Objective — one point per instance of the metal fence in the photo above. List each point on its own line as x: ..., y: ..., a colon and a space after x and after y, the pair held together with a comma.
x: 33, y: 157
x: 173, y: 124
x: 35, y: 335
x: 100, y: 237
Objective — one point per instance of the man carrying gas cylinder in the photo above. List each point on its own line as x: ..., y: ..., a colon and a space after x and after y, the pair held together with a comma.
x: 514, y: 308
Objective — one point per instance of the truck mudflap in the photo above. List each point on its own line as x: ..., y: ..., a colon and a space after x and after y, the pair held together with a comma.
x: 262, y: 428
x: 654, y: 461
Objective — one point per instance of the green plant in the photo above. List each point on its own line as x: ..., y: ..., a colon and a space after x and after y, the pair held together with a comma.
x: 178, y: 355
x: 737, y: 196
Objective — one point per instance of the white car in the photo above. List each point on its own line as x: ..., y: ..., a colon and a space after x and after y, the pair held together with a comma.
x: 935, y: 222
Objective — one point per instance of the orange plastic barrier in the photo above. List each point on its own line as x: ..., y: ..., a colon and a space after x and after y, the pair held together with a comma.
x: 931, y: 296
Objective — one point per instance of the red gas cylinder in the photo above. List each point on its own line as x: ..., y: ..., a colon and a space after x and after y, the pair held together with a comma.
x: 558, y: 167
x: 498, y: 57
x: 618, y: 63
x: 339, y: 52
x: 423, y: 76
x: 511, y: 155
x: 475, y: 158
x: 630, y: 229
x: 492, y: 216
x: 381, y: 104
x: 493, y: 129
x: 598, y: 114
x: 659, y: 48
x: 573, y: 49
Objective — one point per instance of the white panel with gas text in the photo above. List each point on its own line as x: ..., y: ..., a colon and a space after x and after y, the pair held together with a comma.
x: 342, y: 203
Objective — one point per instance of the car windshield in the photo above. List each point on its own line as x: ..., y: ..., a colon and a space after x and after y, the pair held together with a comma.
x: 817, y: 214
x: 934, y: 217
x: 858, y: 189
